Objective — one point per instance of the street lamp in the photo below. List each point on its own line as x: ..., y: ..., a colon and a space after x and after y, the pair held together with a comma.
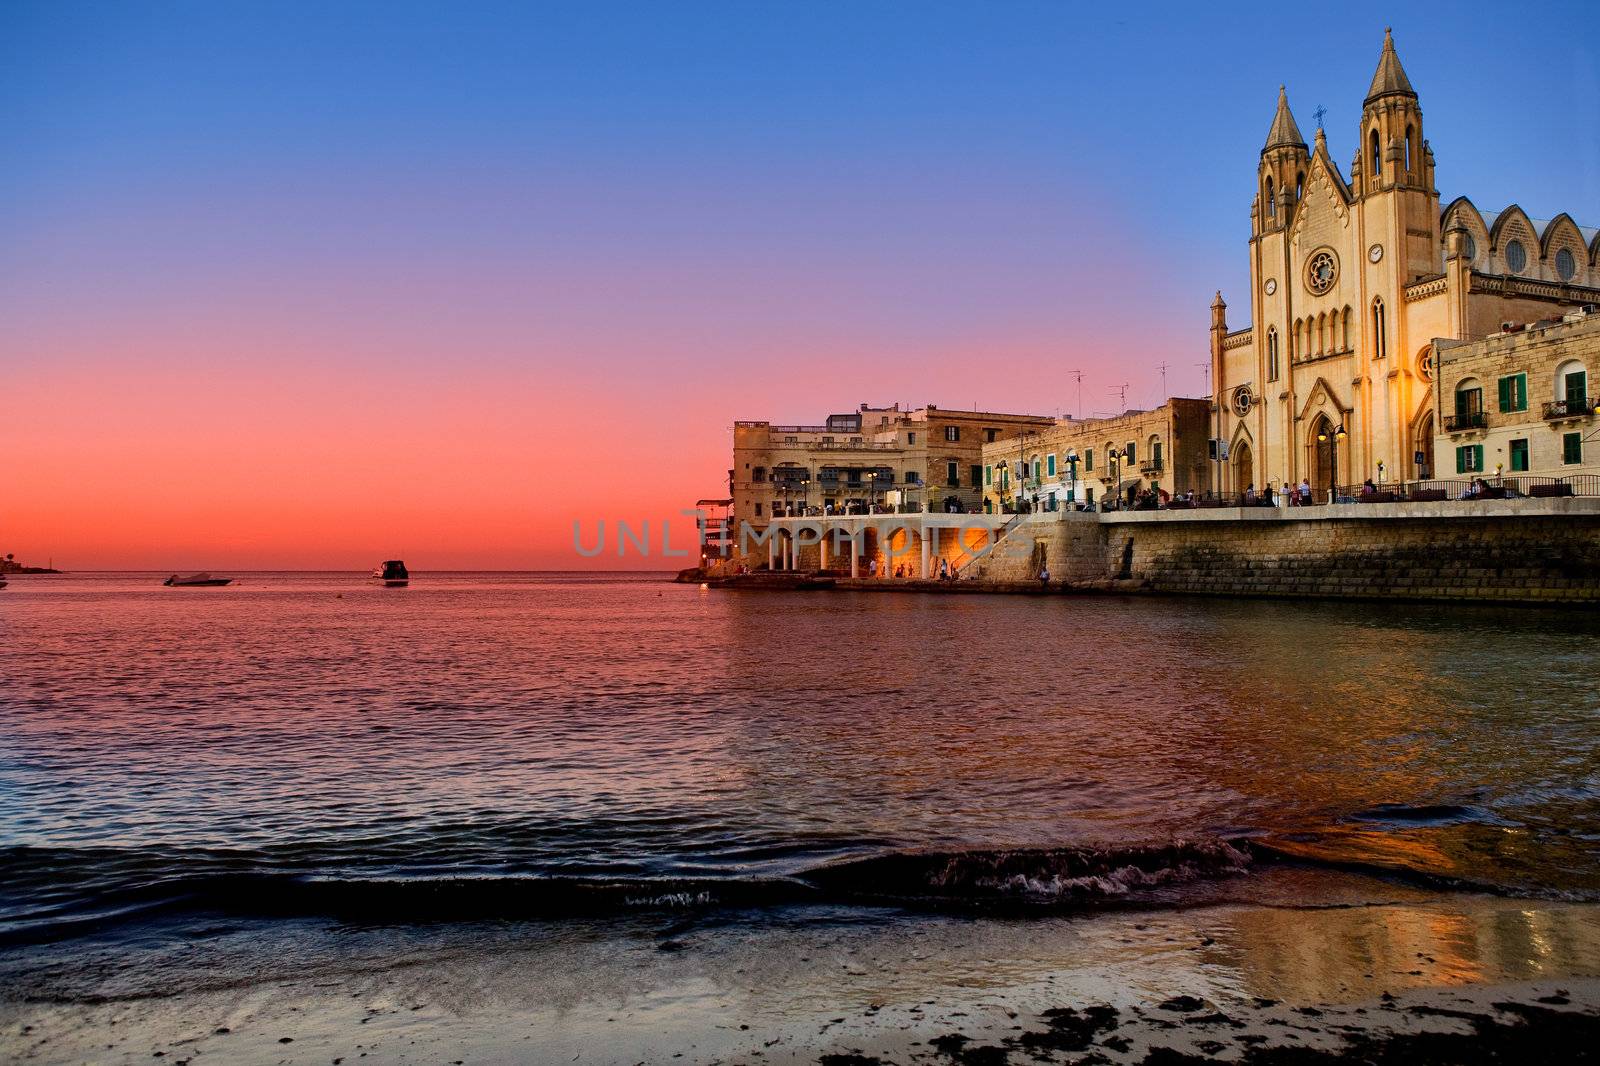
x: 1072, y: 475
x: 1323, y: 437
x: 1380, y: 473
x: 1115, y: 455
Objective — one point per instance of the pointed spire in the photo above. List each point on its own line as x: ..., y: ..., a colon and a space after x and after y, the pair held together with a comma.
x: 1284, y: 131
x: 1390, y: 78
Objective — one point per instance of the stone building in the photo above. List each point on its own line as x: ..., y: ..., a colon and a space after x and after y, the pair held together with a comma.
x: 1084, y: 460
x: 1520, y: 402
x: 1352, y: 280
x: 926, y: 459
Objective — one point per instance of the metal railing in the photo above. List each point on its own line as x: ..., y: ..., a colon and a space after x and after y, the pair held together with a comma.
x: 1571, y: 407
x: 1457, y: 423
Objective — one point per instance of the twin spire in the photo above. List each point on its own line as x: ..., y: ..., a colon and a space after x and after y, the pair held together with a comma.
x: 1389, y: 80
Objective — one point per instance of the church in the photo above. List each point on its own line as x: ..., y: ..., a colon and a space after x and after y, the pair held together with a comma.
x: 1352, y: 280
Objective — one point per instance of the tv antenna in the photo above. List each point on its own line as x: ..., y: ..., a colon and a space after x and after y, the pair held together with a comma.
x: 1122, y: 390
x: 1163, y: 397
x: 1079, y: 375
x: 1206, y: 366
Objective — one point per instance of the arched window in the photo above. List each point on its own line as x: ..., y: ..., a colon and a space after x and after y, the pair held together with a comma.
x: 1380, y: 342
x: 1377, y: 161
x: 1408, y: 149
x: 1471, y: 248
x: 1272, y: 201
x: 1322, y: 333
x: 1272, y: 353
x: 1299, y: 186
x: 1516, y: 257
x: 1469, y: 404
x: 1572, y: 385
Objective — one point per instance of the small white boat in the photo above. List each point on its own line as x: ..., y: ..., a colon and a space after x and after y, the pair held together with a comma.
x: 195, y: 581
x: 392, y: 573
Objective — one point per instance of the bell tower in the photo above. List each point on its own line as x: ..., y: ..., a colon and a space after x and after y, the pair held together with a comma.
x: 1395, y: 162
x: 1281, y: 175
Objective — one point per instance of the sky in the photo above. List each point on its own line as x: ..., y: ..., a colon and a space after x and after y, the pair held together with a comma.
x: 309, y: 286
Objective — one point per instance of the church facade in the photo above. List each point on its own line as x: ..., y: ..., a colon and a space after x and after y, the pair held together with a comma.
x: 1352, y: 281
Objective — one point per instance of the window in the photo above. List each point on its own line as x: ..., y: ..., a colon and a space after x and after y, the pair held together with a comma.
x: 1272, y: 354
x: 1469, y: 459
x: 759, y: 474
x: 1469, y: 397
x: 988, y: 475
x: 1272, y: 201
x: 1572, y: 386
x: 952, y: 433
x: 991, y: 435
x: 1516, y: 257
x: 1519, y: 456
x: 1514, y: 393
x: 1088, y: 458
x: 1565, y: 266
x: 1130, y: 453
x: 1571, y: 448
x: 1471, y: 247
x: 1050, y: 464
x: 758, y: 508
x: 911, y: 477
x: 911, y: 438
x: 1379, y: 341
x: 1155, y: 452
x: 1408, y: 149
x: 977, y: 477
x: 1375, y: 160
x: 952, y: 474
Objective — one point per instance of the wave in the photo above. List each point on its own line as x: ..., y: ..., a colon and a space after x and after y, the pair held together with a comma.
x: 55, y: 894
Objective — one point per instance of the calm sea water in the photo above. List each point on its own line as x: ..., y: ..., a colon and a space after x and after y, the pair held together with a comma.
x: 539, y: 744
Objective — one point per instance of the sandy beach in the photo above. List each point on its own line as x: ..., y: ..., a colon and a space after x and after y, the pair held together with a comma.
x: 1416, y: 979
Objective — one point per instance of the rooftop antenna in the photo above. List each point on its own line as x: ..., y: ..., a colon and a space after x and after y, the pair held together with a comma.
x: 1206, y: 366
x: 1122, y: 390
x: 1079, y: 375
x: 1163, y: 397
x: 1319, y: 112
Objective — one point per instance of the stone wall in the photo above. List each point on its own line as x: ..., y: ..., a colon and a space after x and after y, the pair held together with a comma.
x: 1524, y: 551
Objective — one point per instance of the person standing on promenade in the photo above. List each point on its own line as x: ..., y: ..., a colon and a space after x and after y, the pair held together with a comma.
x: 1044, y: 576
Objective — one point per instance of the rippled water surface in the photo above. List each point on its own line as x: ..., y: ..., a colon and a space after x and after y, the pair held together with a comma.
x: 308, y: 740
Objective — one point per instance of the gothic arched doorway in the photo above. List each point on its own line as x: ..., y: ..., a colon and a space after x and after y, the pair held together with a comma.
x: 1324, y: 463
x: 1244, y: 466
x: 1422, y: 446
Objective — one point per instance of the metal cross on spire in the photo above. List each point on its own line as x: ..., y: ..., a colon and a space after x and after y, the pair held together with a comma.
x: 1319, y: 112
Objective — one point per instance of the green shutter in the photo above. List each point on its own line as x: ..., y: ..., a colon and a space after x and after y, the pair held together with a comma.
x: 1050, y: 464
x: 1577, y: 389
x: 1477, y: 457
x: 1519, y: 455
x: 1522, y: 392
x: 1088, y: 458
x: 988, y: 475
x: 1461, y: 460
x: 1571, y: 444
x: 1130, y: 453
x: 1506, y: 403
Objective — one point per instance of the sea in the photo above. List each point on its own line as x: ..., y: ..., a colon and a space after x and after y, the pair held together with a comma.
x: 182, y: 765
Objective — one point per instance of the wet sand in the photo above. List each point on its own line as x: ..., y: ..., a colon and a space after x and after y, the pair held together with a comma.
x: 1421, y: 978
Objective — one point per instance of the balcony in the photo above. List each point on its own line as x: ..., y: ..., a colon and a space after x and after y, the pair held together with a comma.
x: 1150, y: 466
x: 1571, y: 407
x: 1463, y: 421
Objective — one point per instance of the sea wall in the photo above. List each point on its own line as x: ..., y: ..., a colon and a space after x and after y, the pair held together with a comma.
x: 1524, y: 551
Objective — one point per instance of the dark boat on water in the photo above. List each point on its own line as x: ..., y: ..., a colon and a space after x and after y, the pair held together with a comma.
x: 392, y: 573
x: 196, y: 581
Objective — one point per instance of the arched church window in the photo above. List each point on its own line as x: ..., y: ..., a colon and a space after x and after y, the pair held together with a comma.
x: 1408, y: 149
x: 1272, y: 201
x: 1379, y: 342
x: 1565, y: 266
x: 1344, y: 330
x: 1272, y: 353
x: 1516, y: 257
x: 1299, y: 187
x: 1377, y: 160
x: 1471, y: 248
x: 1322, y: 339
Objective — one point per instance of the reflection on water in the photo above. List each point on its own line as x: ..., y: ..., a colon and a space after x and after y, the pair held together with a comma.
x: 615, y: 726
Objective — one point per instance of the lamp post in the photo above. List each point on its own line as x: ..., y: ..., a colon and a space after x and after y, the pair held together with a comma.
x: 1323, y: 436
x: 1380, y: 473
x: 1071, y: 459
x: 1114, y: 454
